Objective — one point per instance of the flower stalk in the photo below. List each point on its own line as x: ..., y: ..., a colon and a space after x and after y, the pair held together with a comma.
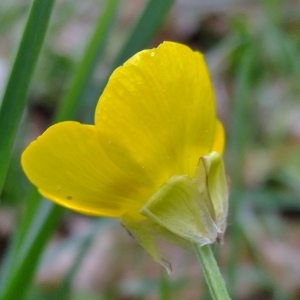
x: 211, y: 272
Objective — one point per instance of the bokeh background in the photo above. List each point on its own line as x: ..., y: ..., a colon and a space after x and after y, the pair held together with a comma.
x: 253, y: 52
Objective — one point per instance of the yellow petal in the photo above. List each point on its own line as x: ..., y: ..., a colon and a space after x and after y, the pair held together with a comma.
x: 156, y: 116
x: 68, y: 166
x: 219, y: 140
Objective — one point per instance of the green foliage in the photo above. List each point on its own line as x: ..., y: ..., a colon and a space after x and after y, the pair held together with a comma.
x: 41, y: 217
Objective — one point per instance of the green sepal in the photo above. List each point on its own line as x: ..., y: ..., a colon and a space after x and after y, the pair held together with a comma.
x: 217, y: 187
x: 151, y: 236
x: 194, y: 209
x: 183, y: 210
x: 180, y: 207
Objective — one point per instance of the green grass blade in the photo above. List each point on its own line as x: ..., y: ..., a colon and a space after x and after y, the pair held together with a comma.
x: 15, y: 246
x: 50, y: 212
x: 72, y: 99
x: 14, y: 99
x: 70, y: 103
x: 19, y: 279
x: 144, y: 31
x: 240, y: 127
x: 25, y: 234
x: 141, y: 35
x: 64, y: 289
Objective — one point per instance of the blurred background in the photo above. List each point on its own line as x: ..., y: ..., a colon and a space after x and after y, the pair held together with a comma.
x: 252, y: 50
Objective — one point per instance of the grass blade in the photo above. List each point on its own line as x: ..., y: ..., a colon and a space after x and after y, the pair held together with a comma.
x: 144, y: 31
x: 49, y: 212
x: 22, y: 274
x: 141, y: 35
x: 70, y: 103
x: 27, y: 239
x: 239, y: 139
x: 14, y: 99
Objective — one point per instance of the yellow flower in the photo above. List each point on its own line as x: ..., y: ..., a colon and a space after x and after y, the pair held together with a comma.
x: 153, y: 157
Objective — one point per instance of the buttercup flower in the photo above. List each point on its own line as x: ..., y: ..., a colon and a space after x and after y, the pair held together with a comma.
x: 153, y: 157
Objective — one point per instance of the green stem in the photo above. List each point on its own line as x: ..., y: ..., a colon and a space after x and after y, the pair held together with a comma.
x: 211, y: 272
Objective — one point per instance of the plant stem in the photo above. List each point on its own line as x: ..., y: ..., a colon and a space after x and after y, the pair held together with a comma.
x: 211, y: 272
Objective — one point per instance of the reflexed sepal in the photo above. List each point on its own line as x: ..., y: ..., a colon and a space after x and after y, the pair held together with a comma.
x: 151, y: 237
x: 183, y: 210
x: 194, y: 209
x: 180, y: 207
x: 216, y: 186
